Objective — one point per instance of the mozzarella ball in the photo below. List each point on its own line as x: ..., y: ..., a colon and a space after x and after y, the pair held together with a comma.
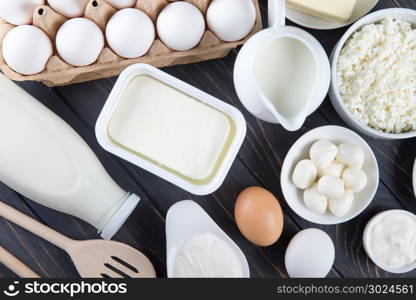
x: 331, y: 186
x: 335, y: 168
x: 304, y: 174
x: 120, y: 4
x: 180, y: 26
x: 314, y: 200
x: 69, y: 8
x: 79, y: 42
x: 231, y: 20
x: 19, y: 12
x: 340, y: 207
x: 27, y: 49
x: 351, y: 155
x: 126, y: 42
x: 355, y: 179
x: 323, y: 153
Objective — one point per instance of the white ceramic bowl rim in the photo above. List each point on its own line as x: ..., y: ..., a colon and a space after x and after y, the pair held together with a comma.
x: 325, y: 219
x: 414, y: 177
x: 371, y: 18
x: 366, y: 237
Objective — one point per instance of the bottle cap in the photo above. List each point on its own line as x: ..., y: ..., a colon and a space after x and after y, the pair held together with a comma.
x: 121, y: 215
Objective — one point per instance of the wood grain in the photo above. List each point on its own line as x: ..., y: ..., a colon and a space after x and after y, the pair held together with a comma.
x: 258, y: 163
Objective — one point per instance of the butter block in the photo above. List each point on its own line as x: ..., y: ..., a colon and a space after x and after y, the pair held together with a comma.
x: 337, y: 11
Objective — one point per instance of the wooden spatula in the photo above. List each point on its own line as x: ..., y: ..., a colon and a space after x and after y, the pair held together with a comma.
x: 94, y: 258
x: 14, y: 264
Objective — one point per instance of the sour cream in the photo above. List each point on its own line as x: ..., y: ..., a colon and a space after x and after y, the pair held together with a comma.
x: 207, y: 256
x: 390, y: 240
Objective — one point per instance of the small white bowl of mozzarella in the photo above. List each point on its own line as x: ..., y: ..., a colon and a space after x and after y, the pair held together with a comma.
x: 329, y: 176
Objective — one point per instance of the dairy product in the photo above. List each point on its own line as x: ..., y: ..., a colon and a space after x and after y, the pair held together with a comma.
x: 314, y: 200
x: 288, y: 92
x: 335, y: 168
x: 207, y: 256
x: 351, y: 155
x: 355, y: 179
x: 376, y: 75
x: 45, y: 160
x: 323, y: 153
x: 328, y: 180
x: 391, y: 239
x: 170, y: 128
x: 304, y: 174
x: 340, y: 207
x: 331, y: 186
x: 337, y: 11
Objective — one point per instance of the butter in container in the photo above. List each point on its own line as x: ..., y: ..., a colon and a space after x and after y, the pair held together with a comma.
x: 171, y: 129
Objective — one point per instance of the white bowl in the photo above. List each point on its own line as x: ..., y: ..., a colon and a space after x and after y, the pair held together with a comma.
x: 366, y: 240
x: 300, y: 150
x: 334, y: 94
x: 362, y: 8
x: 414, y: 177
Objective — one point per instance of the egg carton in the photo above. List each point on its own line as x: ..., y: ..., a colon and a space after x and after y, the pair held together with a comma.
x: 58, y: 72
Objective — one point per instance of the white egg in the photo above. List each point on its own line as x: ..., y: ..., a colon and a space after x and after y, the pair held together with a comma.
x: 340, y: 207
x: 310, y: 254
x: 120, y: 4
x: 180, y: 25
x: 314, y: 200
x: 69, y: 8
x: 27, y: 49
x: 123, y: 39
x: 19, y: 12
x: 335, y: 168
x: 304, y: 174
x: 231, y: 20
x: 79, y: 42
x: 355, y: 179
x: 331, y: 186
x: 322, y: 153
x: 351, y: 155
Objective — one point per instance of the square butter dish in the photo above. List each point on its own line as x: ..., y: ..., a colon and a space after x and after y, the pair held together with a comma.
x: 171, y: 129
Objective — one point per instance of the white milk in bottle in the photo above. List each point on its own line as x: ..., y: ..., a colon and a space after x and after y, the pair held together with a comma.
x: 45, y: 160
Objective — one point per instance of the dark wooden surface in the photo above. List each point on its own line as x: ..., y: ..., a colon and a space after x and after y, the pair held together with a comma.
x: 258, y: 163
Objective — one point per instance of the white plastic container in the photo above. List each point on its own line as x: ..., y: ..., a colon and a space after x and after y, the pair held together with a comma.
x: 116, y: 97
x: 44, y: 159
x: 367, y: 235
x: 185, y: 220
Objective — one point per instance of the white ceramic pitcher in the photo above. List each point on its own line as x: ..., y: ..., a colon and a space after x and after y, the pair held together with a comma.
x: 304, y: 74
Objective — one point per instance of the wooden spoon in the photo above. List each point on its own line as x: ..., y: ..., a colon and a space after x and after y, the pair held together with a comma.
x: 94, y: 258
x: 14, y: 264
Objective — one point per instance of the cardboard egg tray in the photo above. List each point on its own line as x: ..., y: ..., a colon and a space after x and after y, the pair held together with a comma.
x: 58, y: 72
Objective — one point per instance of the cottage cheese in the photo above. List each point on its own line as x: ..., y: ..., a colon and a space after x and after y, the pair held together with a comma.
x: 377, y: 78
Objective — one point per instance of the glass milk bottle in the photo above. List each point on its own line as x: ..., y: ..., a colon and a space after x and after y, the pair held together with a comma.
x: 44, y: 159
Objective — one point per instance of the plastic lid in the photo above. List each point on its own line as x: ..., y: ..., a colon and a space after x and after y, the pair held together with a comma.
x: 111, y: 228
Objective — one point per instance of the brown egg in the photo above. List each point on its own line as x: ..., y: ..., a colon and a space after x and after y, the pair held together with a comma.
x: 259, y: 216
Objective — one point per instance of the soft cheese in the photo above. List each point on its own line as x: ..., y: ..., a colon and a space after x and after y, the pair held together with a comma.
x: 168, y: 127
x: 337, y: 11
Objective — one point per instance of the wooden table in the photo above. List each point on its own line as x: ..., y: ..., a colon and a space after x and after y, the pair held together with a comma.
x: 258, y: 163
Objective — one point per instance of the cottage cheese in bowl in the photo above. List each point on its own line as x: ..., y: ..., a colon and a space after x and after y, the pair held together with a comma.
x: 376, y: 75
x: 373, y: 85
